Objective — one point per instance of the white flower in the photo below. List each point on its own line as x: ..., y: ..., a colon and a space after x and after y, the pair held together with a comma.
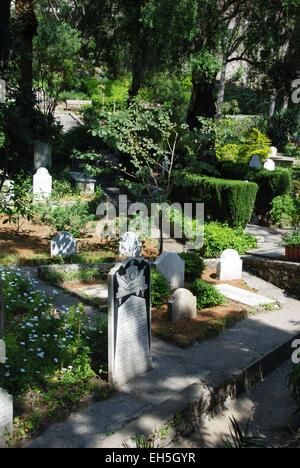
x: 23, y: 371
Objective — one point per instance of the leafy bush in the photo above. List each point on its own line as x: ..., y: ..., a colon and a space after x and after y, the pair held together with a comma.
x: 63, y: 188
x: 291, y: 239
x: 294, y: 383
x: 73, y: 219
x: 160, y: 289
x: 220, y: 237
x: 207, y: 295
x: 225, y: 200
x: 283, y: 126
x: 53, y: 358
x: 284, y: 211
x: 17, y: 205
x: 194, y: 266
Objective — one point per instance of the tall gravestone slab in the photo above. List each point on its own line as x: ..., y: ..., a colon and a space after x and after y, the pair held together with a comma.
x: 63, y: 245
x: 42, y: 184
x: 129, y: 321
x: 42, y: 155
x: 172, y: 267
x: 6, y: 416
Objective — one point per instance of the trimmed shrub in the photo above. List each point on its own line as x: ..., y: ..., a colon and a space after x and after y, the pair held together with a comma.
x: 207, y: 295
x: 220, y: 237
x: 227, y: 201
x: 271, y: 185
x: 194, y: 266
x: 160, y: 289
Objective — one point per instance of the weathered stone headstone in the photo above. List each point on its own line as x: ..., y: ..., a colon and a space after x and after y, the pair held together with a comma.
x: 270, y: 165
x: 129, y: 321
x: 183, y: 305
x: 84, y: 183
x: 255, y: 163
x: 7, y: 192
x: 42, y: 184
x: 6, y: 416
x: 6, y: 400
x: 273, y: 151
x: 130, y: 246
x: 42, y: 155
x: 172, y: 267
x: 230, y: 266
x: 63, y: 245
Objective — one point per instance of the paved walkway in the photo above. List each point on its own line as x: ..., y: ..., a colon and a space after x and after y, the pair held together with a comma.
x: 211, y: 362
x: 274, y: 419
x: 66, y: 120
x: 272, y: 240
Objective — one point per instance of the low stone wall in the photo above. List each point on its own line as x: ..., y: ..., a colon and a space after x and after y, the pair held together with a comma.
x: 285, y: 275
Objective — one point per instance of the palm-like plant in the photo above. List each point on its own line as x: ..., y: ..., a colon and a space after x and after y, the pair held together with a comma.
x: 241, y: 439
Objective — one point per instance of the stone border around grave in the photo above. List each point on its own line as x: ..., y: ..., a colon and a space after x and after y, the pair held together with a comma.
x: 184, y: 413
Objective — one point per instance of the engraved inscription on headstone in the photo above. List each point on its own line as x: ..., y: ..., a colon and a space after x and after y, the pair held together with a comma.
x: 129, y: 321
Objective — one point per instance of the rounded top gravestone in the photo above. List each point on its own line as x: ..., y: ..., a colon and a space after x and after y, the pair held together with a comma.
x: 130, y: 245
x: 63, y: 245
x: 42, y: 183
x: 270, y: 165
x: 172, y: 267
x: 230, y: 266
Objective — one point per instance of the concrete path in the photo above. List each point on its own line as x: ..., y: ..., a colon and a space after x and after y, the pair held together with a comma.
x: 272, y: 239
x: 211, y: 362
x: 66, y: 120
x: 270, y: 407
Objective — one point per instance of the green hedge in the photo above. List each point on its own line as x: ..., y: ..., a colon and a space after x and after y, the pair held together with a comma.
x: 227, y: 201
x: 271, y: 184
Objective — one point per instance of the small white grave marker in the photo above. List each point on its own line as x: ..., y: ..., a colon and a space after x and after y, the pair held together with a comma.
x: 42, y: 184
x: 230, y: 266
x: 183, y: 305
x: 270, y: 165
x: 273, y: 151
x: 172, y: 267
x: 63, y: 245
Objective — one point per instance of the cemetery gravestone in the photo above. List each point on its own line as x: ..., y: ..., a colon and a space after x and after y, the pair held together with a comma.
x: 84, y: 183
x: 42, y: 184
x: 130, y: 245
x: 255, y: 163
x: 230, y: 266
x: 270, y: 165
x: 63, y: 245
x: 273, y: 152
x: 172, y: 267
x: 6, y: 401
x: 7, y: 192
x: 42, y: 155
x: 182, y: 305
x: 129, y: 321
x: 2, y: 92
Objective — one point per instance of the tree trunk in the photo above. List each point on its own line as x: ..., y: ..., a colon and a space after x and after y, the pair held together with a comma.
x: 137, y: 75
x: 4, y: 36
x: 27, y: 23
x: 272, y: 106
x: 221, y: 92
x: 202, y: 103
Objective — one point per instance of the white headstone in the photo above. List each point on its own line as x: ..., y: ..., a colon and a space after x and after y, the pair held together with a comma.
x: 130, y: 245
x: 172, y: 267
x: 255, y: 163
x: 2, y: 352
x: 182, y: 305
x: 230, y: 266
x: 6, y: 416
x: 129, y: 321
x: 270, y: 165
x: 42, y: 184
x: 273, y: 152
x: 63, y: 245
x: 42, y: 155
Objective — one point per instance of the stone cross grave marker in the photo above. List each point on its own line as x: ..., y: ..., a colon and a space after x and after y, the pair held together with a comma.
x: 42, y: 155
x: 129, y: 321
x: 183, y: 305
x: 6, y: 401
x: 130, y: 246
x: 255, y: 163
x: 63, y: 245
x: 172, y: 267
x: 42, y: 184
x: 230, y: 266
